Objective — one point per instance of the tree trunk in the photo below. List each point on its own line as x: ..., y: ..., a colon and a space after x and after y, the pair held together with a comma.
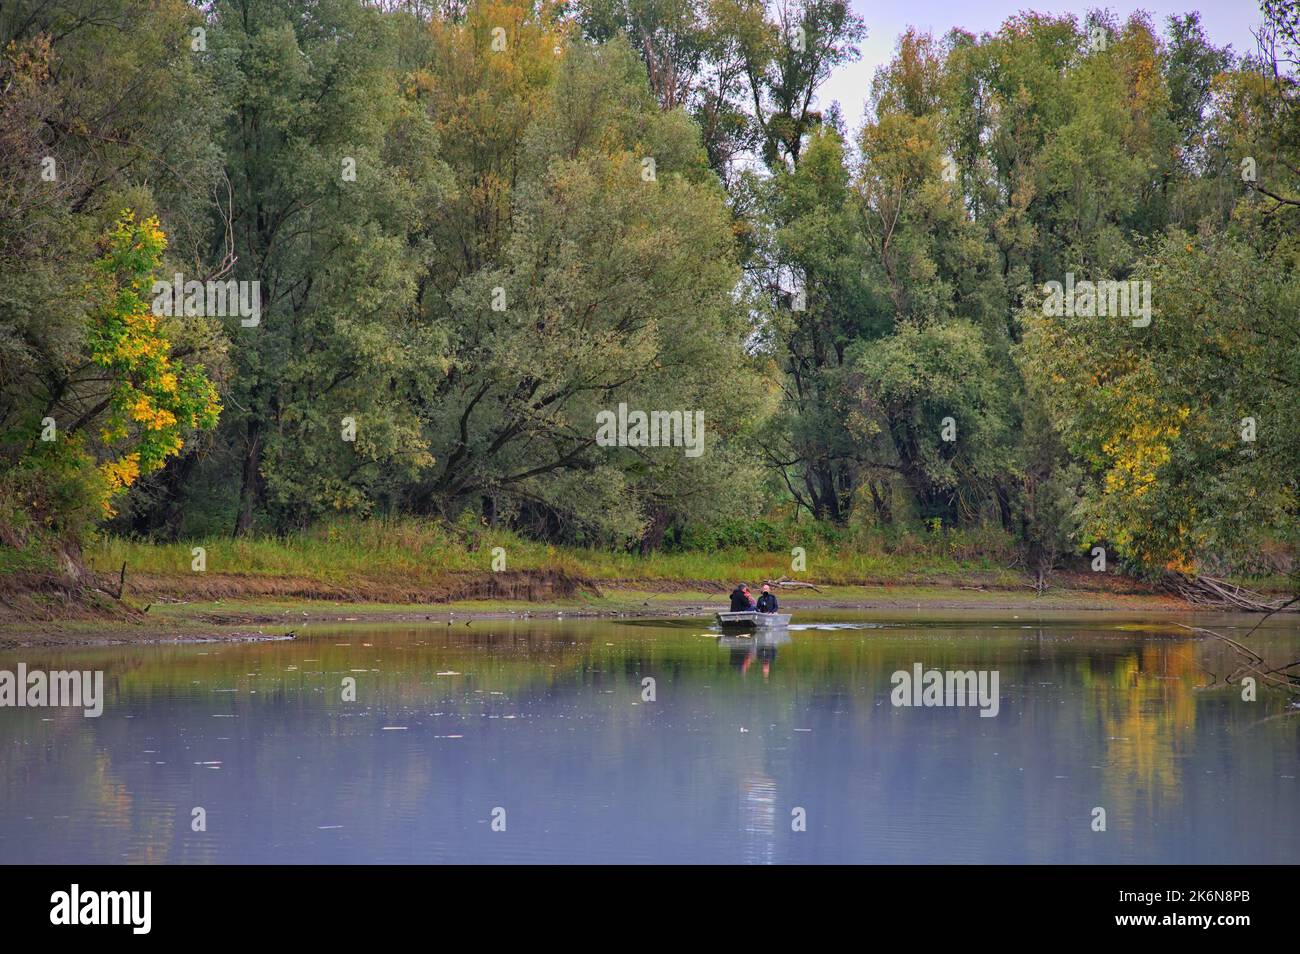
x: 1004, y: 505
x: 653, y: 538
x: 251, y: 485
x: 830, y: 498
x: 880, y: 501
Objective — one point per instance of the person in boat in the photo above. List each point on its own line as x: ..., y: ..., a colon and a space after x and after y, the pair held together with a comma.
x: 740, y: 599
x: 767, y: 602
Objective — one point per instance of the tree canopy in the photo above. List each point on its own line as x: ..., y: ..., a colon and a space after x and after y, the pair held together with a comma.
x: 1048, y: 285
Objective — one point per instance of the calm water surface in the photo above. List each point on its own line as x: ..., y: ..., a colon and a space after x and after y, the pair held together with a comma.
x: 547, y: 721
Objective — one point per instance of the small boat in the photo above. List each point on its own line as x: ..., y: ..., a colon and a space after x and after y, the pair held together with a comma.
x: 752, y: 619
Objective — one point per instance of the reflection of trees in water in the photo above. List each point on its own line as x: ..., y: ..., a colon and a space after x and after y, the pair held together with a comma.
x: 1128, y: 707
x: 1146, y: 704
x: 85, y: 800
x: 404, y: 662
x: 124, y: 827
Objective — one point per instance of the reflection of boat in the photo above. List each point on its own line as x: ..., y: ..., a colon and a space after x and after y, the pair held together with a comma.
x: 753, y: 620
x: 764, y: 642
x: 760, y: 645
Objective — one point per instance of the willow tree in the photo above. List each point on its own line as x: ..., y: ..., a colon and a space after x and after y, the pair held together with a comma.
x: 586, y: 260
x: 332, y: 170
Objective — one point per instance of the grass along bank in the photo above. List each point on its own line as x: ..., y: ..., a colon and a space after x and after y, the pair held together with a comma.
x: 430, y: 570
x: 420, y: 562
x: 354, y: 554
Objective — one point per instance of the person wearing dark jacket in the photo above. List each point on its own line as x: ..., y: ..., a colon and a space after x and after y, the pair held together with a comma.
x: 767, y: 602
x: 740, y: 601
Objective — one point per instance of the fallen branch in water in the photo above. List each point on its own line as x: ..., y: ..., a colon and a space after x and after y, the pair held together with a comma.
x: 1254, y: 664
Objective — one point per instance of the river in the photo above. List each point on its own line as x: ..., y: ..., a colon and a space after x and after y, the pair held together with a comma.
x: 657, y: 741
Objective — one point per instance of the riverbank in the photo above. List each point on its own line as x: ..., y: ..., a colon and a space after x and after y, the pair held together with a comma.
x: 259, y: 587
x: 168, y: 619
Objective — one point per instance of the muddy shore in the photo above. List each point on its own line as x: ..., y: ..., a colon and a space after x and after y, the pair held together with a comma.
x: 162, y: 611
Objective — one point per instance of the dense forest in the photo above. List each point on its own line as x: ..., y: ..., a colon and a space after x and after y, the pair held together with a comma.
x: 267, y: 262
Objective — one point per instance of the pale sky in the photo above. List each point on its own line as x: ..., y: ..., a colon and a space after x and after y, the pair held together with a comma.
x: 1224, y: 22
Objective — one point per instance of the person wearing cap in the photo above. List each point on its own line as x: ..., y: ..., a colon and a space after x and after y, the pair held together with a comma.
x: 767, y: 602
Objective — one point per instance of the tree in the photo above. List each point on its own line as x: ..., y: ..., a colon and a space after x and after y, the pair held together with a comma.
x: 332, y: 171
x: 942, y: 404
x: 786, y: 66
x: 126, y: 403
x: 695, y: 57
x: 103, y: 109
x: 594, y: 266
x: 1188, y: 426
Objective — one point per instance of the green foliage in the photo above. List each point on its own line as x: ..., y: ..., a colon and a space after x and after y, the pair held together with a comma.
x: 153, y: 401
x: 1190, y: 425
x: 333, y: 172
x: 1186, y: 428
x: 603, y: 286
x: 942, y: 399
x: 476, y: 227
x: 54, y: 494
x: 763, y: 535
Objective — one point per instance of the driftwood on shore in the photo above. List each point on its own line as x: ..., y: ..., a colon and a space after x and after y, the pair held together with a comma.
x: 96, y: 585
x: 1207, y: 591
x: 786, y: 583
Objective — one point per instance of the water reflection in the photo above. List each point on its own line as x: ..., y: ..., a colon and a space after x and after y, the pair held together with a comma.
x: 760, y: 647
x: 550, y: 722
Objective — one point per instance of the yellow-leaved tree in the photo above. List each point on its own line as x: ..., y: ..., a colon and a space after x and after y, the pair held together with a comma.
x: 120, y: 406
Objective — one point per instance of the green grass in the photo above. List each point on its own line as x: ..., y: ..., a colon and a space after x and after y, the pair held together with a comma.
x: 32, y: 558
x: 416, y: 551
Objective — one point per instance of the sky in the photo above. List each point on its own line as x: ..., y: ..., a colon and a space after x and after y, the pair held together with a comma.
x: 1224, y: 22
